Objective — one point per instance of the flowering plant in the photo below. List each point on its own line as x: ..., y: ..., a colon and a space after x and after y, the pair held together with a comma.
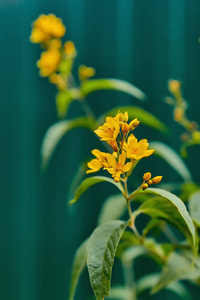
x: 115, y: 235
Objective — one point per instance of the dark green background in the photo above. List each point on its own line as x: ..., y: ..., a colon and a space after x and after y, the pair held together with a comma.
x: 145, y: 42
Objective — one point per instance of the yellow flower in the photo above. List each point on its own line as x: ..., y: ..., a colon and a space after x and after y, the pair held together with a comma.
x: 49, y: 62
x: 55, y: 44
x: 69, y: 49
x: 85, y: 72
x: 122, y: 117
x: 99, y: 162
x: 117, y: 168
x: 137, y: 150
x: 47, y: 27
x: 109, y: 130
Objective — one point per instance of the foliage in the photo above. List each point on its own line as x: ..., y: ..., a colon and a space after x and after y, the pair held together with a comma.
x: 178, y: 258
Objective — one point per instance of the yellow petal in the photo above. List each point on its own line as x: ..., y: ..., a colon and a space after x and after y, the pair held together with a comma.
x: 127, y: 167
x: 111, y: 160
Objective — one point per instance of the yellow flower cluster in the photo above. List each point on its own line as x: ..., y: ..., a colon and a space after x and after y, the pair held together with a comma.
x: 127, y: 149
x: 48, y: 30
x: 47, y: 27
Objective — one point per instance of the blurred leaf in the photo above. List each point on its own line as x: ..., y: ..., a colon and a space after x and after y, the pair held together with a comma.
x: 113, y: 208
x: 170, y: 208
x: 88, y: 182
x: 152, y: 224
x: 128, y: 240
x: 133, y: 252
x: 150, y: 280
x: 194, y: 207
x: 90, y: 86
x: 136, y: 112
x: 186, y: 145
x: 187, y: 189
x: 172, y: 158
x: 102, y: 246
x: 63, y: 100
x: 177, y: 268
x: 56, y: 132
x: 80, y: 174
x: 80, y: 262
x: 120, y: 293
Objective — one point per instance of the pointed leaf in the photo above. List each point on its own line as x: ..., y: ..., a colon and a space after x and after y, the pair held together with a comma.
x: 55, y: 133
x: 150, y: 280
x: 90, y: 86
x: 194, y: 207
x: 80, y: 262
x: 143, y: 116
x: 178, y: 267
x: 79, y: 176
x: 88, y: 182
x: 172, y: 158
x: 113, y: 208
x: 102, y: 246
x: 170, y: 208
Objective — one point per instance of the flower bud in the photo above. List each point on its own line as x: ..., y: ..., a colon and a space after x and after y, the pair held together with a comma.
x: 147, y: 176
x: 134, y: 123
x: 156, y: 179
x: 174, y: 86
x: 125, y: 127
x: 149, y: 182
x: 144, y: 186
x: 178, y: 114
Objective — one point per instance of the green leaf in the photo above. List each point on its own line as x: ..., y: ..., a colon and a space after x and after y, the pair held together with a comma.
x: 63, y: 100
x: 93, y: 85
x: 120, y: 293
x: 80, y: 262
x: 55, y: 133
x: 88, y: 182
x: 187, y: 189
x: 136, y: 112
x: 194, y: 207
x: 152, y: 224
x: 79, y: 176
x: 102, y: 247
x: 150, y: 280
x: 172, y: 158
x: 113, y: 208
x: 186, y: 145
x: 178, y: 267
x: 170, y: 208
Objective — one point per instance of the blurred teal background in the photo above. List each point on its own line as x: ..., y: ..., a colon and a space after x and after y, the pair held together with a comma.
x: 145, y: 42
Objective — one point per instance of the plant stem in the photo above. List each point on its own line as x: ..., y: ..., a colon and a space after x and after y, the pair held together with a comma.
x: 129, y: 278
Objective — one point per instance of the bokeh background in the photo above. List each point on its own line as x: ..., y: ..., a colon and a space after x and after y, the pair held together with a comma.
x: 145, y: 42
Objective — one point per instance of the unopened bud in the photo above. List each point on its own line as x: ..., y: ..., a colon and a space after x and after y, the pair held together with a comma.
x: 147, y: 176
x: 144, y: 186
x: 156, y: 179
x: 178, y: 114
x: 150, y: 182
x: 133, y: 124
x: 125, y: 127
x: 184, y: 137
x: 174, y: 86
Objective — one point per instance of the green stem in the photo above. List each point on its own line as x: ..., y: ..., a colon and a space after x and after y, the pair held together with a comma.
x: 88, y: 111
